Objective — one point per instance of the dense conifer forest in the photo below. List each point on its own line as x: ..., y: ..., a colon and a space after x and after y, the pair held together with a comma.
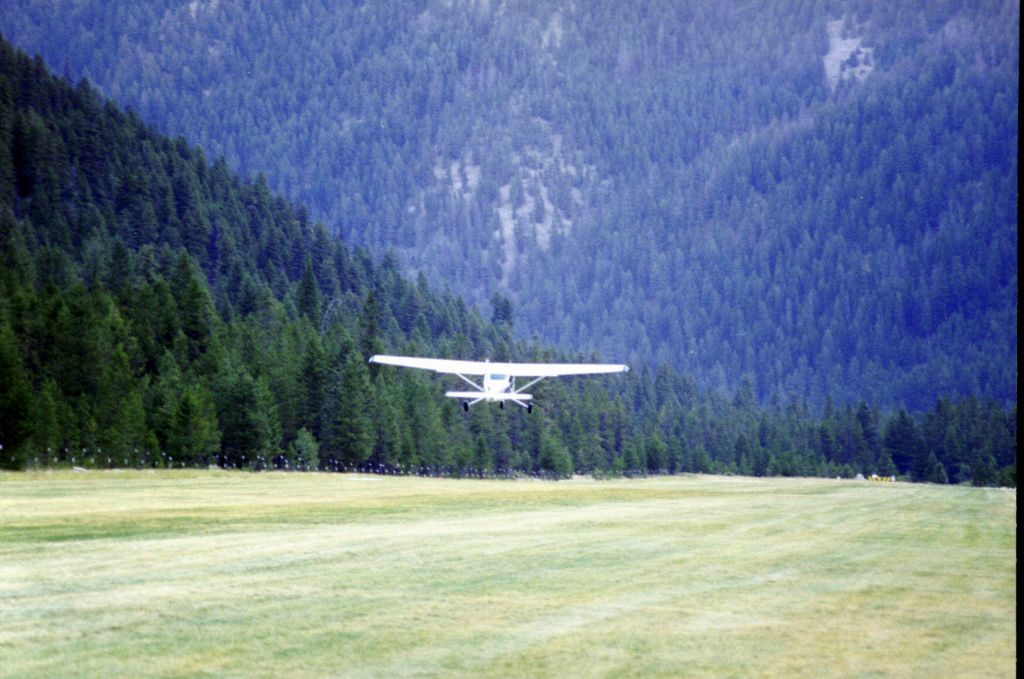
x: 158, y: 311
x: 815, y: 198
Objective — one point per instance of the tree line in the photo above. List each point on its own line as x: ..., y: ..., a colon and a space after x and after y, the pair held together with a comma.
x: 158, y: 311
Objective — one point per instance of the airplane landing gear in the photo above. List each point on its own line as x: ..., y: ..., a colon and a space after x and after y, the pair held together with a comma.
x: 529, y: 408
x: 465, y: 406
x: 501, y: 404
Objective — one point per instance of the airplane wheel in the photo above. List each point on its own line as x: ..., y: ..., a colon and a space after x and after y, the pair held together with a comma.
x: 465, y: 406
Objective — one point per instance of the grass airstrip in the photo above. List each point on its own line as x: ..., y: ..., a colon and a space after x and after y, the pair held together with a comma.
x: 181, y: 573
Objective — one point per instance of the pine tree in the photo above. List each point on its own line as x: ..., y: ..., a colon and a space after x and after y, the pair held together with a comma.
x: 742, y: 456
x: 903, y: 442
x: 249, y: 422
x: 482, y: 455
x: 349, y: 437
x: 867, y: 419
x: 305, y: 451
x: 501, y: 310
x: 370, y: 320
x: 387, y: 423
x: 163, y: 397
x: 425, y: 422
x: 924, y: 466
x: 309, y: 294
x: 15, y: 400
x: 193, y: 437
x: 553, y: 457
x: 196, y: 311
x: 985, y: 472
x: 313, y: 378
x: 47, y: 433
x: 657, y: 454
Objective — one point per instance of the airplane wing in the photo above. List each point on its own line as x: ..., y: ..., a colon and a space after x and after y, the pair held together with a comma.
x: 445, y: 365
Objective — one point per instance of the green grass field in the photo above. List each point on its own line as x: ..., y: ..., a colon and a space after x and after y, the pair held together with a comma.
x: 184, y: 573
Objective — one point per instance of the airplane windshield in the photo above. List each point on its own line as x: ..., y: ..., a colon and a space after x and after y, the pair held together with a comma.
x: 497, y: 377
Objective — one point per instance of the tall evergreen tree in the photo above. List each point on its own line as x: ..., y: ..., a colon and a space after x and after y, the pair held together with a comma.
x: 903, y: 442
x: 309, y: 294
x: 249, y: 424
x: 370, y: 325
x: 350, y: 431
x: 193, y: 437
x: 313, y: 378
x: 15, y: 400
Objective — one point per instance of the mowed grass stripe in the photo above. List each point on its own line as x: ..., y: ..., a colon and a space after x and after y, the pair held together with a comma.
x: 153, y: 508
x: 371, y: 576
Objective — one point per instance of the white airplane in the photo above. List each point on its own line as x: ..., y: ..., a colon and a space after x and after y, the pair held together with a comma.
x: 499, y: 379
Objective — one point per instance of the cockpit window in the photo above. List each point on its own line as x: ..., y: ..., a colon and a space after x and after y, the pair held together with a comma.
x: 497, y: 377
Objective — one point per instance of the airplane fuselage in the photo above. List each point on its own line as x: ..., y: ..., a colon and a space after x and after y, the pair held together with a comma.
x: 497, y: 383
x: 496, y: 387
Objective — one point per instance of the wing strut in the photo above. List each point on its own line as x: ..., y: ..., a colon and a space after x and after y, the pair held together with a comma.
x: 529, y: 384
x: 469, y: 381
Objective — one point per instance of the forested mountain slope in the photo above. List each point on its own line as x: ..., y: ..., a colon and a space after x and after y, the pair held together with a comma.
x: 817, y: 196
x: 155, y: 310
